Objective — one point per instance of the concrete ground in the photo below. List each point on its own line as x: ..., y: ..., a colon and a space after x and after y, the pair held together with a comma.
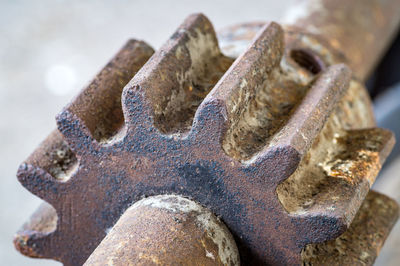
x: 50, y: 49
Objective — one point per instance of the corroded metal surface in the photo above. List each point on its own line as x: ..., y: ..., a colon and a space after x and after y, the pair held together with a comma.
x: 361, y: 243
x: 280, y: 144
x: 360, y: 29
x: 48, y: 170
x: 358, y: 32
x: 167, y: 230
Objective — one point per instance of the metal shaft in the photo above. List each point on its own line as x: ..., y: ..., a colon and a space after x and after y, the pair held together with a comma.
x: 361, y: 30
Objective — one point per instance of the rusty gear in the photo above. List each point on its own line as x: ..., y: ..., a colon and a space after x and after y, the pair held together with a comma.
x: 279, y: 143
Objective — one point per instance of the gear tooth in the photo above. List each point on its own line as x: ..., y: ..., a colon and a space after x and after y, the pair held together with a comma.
x: 36, y: 237
x: 311, y: 115
x: 317, y: 227
x: 137, y: 112
x: 378, y: 140
x: 244, y: 77
x: 377, y: 211
x: 349, y: 171
x: 274, y: 165
x: 263, y: 55
x: 98, y: 107
x: 76, y: 134
x: 357, y: 162
x: 210, y: 123
x: 40, y: 183
x: 201, y: 21
x: 361, y: 155
x: 176, y: 79
x: 212, y: 117
x: 45, y: 171
x: 34, y: 244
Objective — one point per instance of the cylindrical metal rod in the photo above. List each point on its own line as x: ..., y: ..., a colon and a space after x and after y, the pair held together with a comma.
x: 167, y: 230
x: 361, y: 29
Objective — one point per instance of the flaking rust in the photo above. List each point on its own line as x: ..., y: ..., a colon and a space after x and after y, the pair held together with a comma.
x: 279, y: 143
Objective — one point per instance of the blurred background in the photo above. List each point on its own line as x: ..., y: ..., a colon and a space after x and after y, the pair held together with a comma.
x: 50, y: 49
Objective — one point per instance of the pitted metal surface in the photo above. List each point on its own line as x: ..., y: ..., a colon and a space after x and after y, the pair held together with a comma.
x: 279, y: 143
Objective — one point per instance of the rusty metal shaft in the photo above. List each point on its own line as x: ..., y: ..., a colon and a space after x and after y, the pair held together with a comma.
x: 361, y: 30
x: 167, y: 230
